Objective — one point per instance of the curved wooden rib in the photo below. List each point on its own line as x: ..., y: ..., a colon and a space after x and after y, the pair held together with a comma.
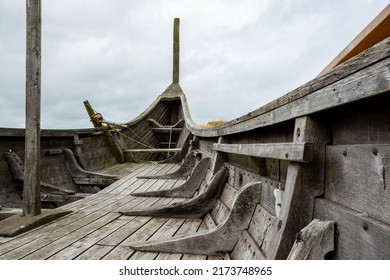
x: 183, y: 171
x: 193, y: 208
x: 221, y: 239
x: 155, y: 124
x: 186, y: 190
x: 83, y: 177
x: 15, y: 165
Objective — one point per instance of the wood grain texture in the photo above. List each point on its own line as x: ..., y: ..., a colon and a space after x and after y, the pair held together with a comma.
x: 359, y: 237
x: 300, y: 152
x: 314, y: 241
x: 358, y: 177
x: 32, y: 175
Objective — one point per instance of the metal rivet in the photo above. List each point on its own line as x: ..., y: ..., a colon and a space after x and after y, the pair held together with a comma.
x: 286, y: 155
x: 298, y: 236
x: 375, y: 151
x: 345, y: 153
x: 365, y: 226
x: 279, y: 225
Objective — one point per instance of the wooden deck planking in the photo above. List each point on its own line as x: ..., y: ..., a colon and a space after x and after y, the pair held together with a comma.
x: 96, y: 252
x: 23, y: 245
x: 166, y: 231
x: 123, y: 251
x: 95, y: 229
x: 83, y: 244
x: 54, y: 247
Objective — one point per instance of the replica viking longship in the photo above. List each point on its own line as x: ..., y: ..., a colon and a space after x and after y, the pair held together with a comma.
x: 306, y: 176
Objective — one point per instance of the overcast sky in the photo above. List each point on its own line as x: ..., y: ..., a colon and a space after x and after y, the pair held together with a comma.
x: 235, y: 56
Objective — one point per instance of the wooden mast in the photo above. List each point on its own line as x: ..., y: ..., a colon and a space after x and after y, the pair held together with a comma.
x: 31, y: 188
x: 176, y: 48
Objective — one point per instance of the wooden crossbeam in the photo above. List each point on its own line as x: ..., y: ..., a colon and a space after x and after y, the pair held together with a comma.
x: 299, y: 152
x: 157, y: 150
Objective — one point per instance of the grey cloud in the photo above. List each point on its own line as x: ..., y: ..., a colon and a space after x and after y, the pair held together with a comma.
x: 235, y: 55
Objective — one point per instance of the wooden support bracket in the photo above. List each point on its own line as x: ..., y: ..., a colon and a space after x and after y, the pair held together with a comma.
x: 194, y: 208
x: 220, y: 239
x: 81, y: 176
x: 15, y: 165
x: 299, y: 152
x: 183, y: 171
x: 314, y: 241
x: 186, y: 190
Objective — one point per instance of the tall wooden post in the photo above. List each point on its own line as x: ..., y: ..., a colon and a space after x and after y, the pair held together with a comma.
x: 31, y: 189
x: 176, y: 47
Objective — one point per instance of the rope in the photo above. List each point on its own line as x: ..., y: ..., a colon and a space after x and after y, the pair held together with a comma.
x: 132, y: 139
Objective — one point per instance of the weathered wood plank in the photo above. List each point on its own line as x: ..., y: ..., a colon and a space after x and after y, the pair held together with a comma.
x: 190, y: 257
x: 358, y: 176
x: 176, y: 51
x: 126, y: 178
x: 314, y: 241
x: 52, y: 248
x: 166, y: 231
x: 222, y: 213
x: 187, y: 189
x: 124, y: 184
x: 32, y: 175
x: 189, y: 226
x: 83, y: 244
x: 358, y: 235
x: 209, y: 221
x: 304, y: 182
x: 96, y: 252
x: 168, y: 256
x: 142, y: 232
x: 25, y: 244
x: 215, y: 257
x: 263, y: 229
x: 228, y: 194
x: 24, y: 239
x: 222, y: 238
x: 299, y: 152
x: 125, y: 231
x: 246, y: 249
x: 193, y: 208
x: 150, y: 150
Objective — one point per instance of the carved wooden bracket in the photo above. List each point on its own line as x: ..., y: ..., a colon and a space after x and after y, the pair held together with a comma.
x: 81, y: 176
x: 220, y: 239
x: 196, y: 207
x: 183, y: 171
x: 16, y: 166
x: 314, y: 241
x: 186, y: 190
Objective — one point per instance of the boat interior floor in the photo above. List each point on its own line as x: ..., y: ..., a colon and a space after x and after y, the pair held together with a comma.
x: 96, y: 230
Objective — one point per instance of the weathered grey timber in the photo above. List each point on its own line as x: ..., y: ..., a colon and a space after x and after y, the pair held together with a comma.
x: 84, y: 177
x: 15, y: 165
x: 185, y: 169
x: 189, y: 188
x: 300, y: 152
x: 32, y: 176
x: 176, y: 50
x: 314, y: 241
x: 220, y: 239
x: 193, y: 208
